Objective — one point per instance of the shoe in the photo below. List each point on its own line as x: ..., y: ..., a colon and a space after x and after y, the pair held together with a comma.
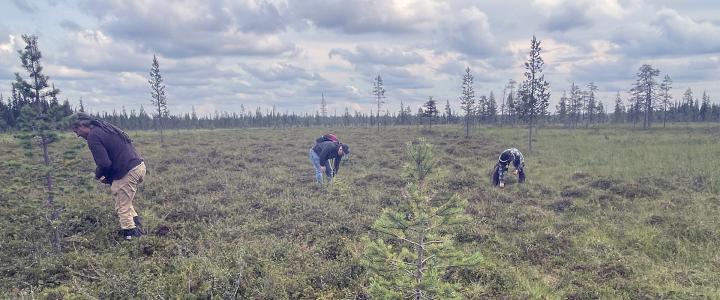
x: 502, y: 185
x: 138, y: 224
x: 128, y: 234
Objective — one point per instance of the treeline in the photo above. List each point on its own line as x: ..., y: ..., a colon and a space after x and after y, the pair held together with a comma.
x: 487, y: 113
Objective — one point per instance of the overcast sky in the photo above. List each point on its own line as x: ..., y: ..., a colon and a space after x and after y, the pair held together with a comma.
x: 217, y: 55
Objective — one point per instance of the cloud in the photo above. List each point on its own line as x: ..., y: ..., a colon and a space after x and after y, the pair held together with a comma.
x: 369, y: 16
x: 279, y: 72
x: 379, y: 56
x: 469, y: 33
x: 194, y: 27
x: 565, y: 15
x: 481, y: 72
x: 25, y: 6
x: 669, y: 33
x: 70, y: 25
x: 95, y: 51
x: 567, y: 18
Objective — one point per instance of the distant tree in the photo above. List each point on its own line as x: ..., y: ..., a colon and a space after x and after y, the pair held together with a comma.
x: 81, y: 107
x: 448, y: 112
x: 414, y: 251
x: 575, y: 105
x: 601, y: 114
x: 512, y: 107
x: 665, y: 96
x: 591, y: 104
x: 535, y: 91
x: 687, y: 105
x: 619, y: 109
x: 430, y: 110
x: 323, y: 107
x: 491, y: 108
x: 157, y: 94
x: 4, y: 112
x: 467, y: 99
x: 561, y: 109
x: 504, y: 109
x: 480, y: 109
x: 379, y: 92
x: 704, y: 111
x: 644, y: 89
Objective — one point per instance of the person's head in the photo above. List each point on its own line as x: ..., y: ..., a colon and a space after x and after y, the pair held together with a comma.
x: 81, y: 124
x: 343, y: 149
x: 505, y: 157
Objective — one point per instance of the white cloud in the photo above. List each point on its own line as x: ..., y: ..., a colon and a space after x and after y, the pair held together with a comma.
x: 469, y: 33
x: 379, y: 56
x: 367, y: 16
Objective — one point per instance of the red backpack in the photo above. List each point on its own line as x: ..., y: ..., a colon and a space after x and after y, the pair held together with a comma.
x: 326, y: 137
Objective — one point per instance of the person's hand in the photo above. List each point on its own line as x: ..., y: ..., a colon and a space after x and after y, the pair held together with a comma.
x: 515, y: 172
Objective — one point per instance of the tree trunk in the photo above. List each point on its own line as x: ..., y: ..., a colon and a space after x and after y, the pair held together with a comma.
x: 54, y: 214
x: 467, y: 127
x: 420, y: 267
x: 530, y: 126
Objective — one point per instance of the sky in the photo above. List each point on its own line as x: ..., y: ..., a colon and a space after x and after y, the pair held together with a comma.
x: 223, y: 55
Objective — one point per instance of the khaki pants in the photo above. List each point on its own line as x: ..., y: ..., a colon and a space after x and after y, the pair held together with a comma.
x: 124, y: 190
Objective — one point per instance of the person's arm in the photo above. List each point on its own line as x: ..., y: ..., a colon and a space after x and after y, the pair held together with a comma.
x: 328, y: 170
x: 102, y: 160
x: 336, y: 165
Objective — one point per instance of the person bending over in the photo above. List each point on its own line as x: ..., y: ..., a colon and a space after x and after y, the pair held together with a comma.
x: 509, y: 156
x: 322, y: 153
x: 118, y: 164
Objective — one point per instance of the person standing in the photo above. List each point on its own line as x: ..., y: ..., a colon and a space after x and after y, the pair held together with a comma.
x: 118, y: 164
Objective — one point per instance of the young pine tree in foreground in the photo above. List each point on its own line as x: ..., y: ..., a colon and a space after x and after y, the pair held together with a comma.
x: 39, y: 121
x: 414, y: 252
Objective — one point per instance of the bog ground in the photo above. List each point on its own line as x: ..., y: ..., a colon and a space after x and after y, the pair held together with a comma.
x: 606, y: 213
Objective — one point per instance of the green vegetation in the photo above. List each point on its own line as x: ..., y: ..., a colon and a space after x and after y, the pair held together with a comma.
x: 606, y: 213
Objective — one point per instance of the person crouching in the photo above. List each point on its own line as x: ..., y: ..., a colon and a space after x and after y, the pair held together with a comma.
x: 507, y: 157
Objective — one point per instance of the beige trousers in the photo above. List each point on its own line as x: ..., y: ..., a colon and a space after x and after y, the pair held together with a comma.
x: 124, y: 190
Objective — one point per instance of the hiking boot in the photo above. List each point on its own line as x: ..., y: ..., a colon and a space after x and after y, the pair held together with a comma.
x: 138, y: 224
x: 128, y: 234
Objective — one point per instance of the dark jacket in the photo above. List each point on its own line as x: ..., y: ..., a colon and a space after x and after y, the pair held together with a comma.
x: 113, y: 156
x: 326, y: 151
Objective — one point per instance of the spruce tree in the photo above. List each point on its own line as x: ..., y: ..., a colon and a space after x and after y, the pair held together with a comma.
x: 535, y: 91
x: 414, y: 250
x: 665, y: 96
x: 40, y: 120
x: 430, y: 110
x: 467, y: 99
x: 379, y: 92
x: 591, y: 104
x: 619, y: 109
x: 491, y: 108
x: 157, y: 94
x: 561, y: 109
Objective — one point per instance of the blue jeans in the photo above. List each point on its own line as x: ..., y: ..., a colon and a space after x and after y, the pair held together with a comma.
x: 315, y: 159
